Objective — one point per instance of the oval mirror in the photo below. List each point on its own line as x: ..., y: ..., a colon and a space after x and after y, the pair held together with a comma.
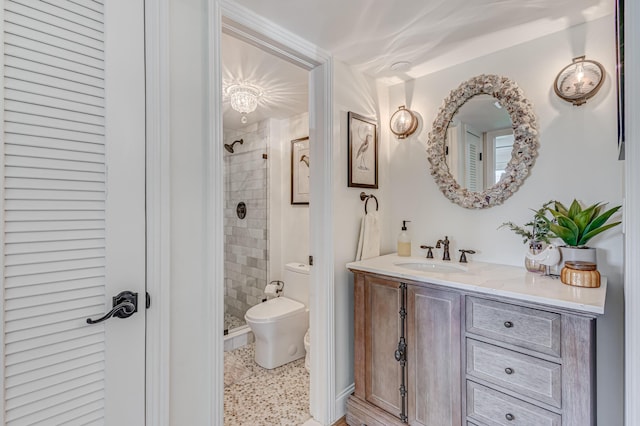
x: 483, y: 142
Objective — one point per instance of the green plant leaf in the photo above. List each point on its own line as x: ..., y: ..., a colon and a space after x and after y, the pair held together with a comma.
x: 560, y: 208
x: 565, y: 234
x: 583, y: 218
x: 556, y: 213
x: 565, y: 222
x: 595, y: 232
x: 600, y: 220
x: 574, y: 209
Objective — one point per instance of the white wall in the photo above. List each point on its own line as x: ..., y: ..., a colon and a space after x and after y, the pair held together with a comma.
x: 189, y: 393
x: 577, y: 158
x: 357, y: 93
x: 288, y: 223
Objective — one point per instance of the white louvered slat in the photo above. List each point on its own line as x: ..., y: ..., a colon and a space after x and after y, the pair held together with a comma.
x: 91, y: 5
x: 62, y: 381
x: 79, y: 9
x: 52, y: 77
x: 53, y: 123
x: 57, y: 34
x: 55, y: 16
x: 50, y: 323
x: 71, y: 175
x: 50, y: 132
x: 20, y: 30
x: 53, y: 153
x: 40, y: 343
x: 49, y: 289
x: 49, y: 50
x: 54, y: 211
x: 52, y: 246
x: 63, y: 276
x: 52, y: 102
x: 51, y: 267
x: 42, y: 394
x: 15, y: 302
x: 82, y: 407
x: 61, y: 9
x: 53, y: 184
x: 61, y: 367
x: 62, y: 64
x: 81, y: 99
x: 61, y: 225
x: 60, y: 406
x: 55, y: 358
x: 49, y: 112
x: 57, y: 194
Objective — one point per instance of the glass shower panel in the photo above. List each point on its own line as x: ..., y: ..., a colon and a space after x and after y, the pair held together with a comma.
x: 245, y: 221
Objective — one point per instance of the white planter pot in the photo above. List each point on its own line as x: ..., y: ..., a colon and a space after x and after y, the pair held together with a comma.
x: 584, y: 254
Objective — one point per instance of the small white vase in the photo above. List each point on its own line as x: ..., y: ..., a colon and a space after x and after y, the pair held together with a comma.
x: 531, y: 265
x: 584, y: 254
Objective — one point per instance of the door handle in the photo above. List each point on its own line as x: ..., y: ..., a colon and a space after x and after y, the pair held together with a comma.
x: 125, y: 304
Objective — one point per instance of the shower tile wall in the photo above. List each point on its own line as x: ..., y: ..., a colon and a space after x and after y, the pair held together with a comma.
x: 246, y: 253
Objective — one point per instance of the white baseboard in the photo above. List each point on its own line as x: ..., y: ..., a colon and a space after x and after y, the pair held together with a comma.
x: 341, y: 401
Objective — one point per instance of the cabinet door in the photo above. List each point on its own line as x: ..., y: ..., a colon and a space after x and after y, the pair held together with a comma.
x: 382, y: 329
x: 434, y: 357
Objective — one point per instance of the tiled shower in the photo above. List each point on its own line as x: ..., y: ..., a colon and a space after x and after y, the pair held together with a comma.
x: 246, y: 235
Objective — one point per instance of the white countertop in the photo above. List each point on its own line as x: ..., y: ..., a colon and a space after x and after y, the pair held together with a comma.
x: 493, y: 279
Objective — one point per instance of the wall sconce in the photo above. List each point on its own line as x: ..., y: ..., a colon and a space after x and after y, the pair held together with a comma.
x: 579, y: 80
x: 403, y: 123
x: 244, y: 98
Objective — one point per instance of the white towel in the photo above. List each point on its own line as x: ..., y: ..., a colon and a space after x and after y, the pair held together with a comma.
x: 369, y: 241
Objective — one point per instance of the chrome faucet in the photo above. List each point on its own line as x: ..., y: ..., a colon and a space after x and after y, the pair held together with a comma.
x: 445, y: 244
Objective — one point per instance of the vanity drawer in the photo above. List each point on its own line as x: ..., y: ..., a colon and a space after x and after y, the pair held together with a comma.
x: 526, y: 327
x: 527, y: 375
x: 488, y: 406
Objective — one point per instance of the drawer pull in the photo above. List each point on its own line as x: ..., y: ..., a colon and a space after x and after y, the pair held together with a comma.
x: 509, y: 416
x: 508, y: 370
x: 508, y: 324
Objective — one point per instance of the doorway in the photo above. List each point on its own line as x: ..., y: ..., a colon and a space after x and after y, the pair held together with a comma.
x: 233, y: 19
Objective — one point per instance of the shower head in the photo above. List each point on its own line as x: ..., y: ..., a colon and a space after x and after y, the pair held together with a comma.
x: 229, y: 148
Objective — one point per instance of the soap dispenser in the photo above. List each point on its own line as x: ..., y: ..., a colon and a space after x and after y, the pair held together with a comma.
x: 404, y: 241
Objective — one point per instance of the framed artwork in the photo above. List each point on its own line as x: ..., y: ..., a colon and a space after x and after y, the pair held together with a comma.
x: 300, y: 171
x: 363, y: 151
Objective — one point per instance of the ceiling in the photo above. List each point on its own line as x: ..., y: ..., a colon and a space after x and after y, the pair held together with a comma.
x: 284, y: 86
x: 371, y: 35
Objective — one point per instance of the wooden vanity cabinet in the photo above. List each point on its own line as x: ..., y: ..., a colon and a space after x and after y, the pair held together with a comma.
x: 433, y: 357
x: 419, y: 385
x: 430, y: 355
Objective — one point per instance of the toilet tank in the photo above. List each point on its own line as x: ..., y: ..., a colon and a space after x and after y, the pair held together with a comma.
x: 296, y: 282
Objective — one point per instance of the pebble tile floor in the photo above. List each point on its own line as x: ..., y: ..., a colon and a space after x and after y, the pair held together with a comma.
x: 277, y: 397
x: 231, y: 322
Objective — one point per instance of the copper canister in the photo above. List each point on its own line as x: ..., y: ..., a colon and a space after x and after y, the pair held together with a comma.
x: 580, y: 274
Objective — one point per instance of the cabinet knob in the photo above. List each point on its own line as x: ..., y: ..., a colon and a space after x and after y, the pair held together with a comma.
x: 508, y: 370
x: 509, y: 416
x: 508, y: 324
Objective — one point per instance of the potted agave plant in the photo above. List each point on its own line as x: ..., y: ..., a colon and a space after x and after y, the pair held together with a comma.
x: 536, y: 234
x: 576, y: 226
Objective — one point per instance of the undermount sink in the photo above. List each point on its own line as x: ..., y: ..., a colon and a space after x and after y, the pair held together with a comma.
x: 431, y: 266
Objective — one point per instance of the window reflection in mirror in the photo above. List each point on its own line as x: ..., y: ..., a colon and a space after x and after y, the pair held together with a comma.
x: 479, y: 142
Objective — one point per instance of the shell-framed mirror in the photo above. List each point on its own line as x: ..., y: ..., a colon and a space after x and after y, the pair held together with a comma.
x: 483, y: 142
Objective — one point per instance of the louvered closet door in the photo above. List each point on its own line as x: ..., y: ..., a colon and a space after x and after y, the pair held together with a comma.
x: 72, y: 211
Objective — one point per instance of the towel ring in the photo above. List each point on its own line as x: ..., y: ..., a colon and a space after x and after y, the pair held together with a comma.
x: 366, y: 197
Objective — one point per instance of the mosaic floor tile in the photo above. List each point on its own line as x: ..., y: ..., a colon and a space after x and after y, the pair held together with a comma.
x: 278, y: 397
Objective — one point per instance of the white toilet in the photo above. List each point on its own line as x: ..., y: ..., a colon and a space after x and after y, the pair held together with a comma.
x: 279, y: 324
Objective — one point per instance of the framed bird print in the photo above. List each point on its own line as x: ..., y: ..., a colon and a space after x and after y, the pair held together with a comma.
x: 363, y: 151
x: 300, y: 171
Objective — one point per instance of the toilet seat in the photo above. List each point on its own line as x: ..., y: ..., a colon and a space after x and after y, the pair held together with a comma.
x: 274, y: 309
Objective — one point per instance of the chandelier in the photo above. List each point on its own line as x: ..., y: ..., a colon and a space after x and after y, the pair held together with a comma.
x: 244, y: 98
